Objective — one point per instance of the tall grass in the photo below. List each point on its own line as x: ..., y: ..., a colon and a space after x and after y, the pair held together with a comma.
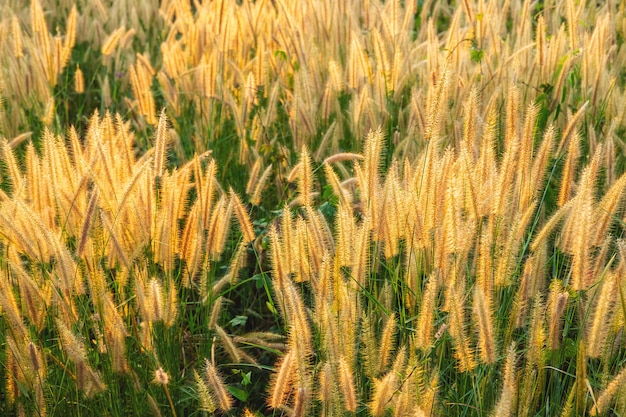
x: 344, y: 208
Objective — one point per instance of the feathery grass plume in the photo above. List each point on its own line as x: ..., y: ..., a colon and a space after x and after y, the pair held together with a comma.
x: 387, y: 342
x: 115, y: 335
x: 506, y: 404
x: 581, y: 378
x: 15, y: 173
x: 243, y: 217
x: 141, y: 80
x: 606, y: 397
x: 533, y: 377
x: 370, y: 351
x: 463, y: 353
x: 346, y: 385
x: 482, y: 310
x: 206, y: 397
x: 233, y: 351
x: 88, y: 380
x: 155, y: 300
x: 253, y: 175
x: 218, y: 227
x: 70, y: 38
x: 87, y: 222
x: 384, y: 390
x: 161, y: 377
x: 345, y: 235
x: 436, y: 103
x: 305, y: 178
x: 218, y: 388
x: 394, y: 213
x: 170, y: 307
x: 425, y: 318
x: 154, y: 407
x: 577, y: 236
x: 79, y: 80
x: 333, y: 180
x: 369, y: 183
x: 326, y: 389
x: 206, y: 190
x: 9, y: 308
x: 18, y: 41
x: 192, y: 244
x: 606, y: 209
x: 281, y: 381
x: 304, y: 270
x: 548, y: 228
x: 110, y: 43
x: 557, y: 303
x: 255, y: 197
x: 35, y: 295
x: 160, y: 145
x: 571, y: 126
x: 361, y: 253
x: 569, y: 169
x: 599, y: 325
x: 280, y: 270
x: 288, y: 240
x: 343, y: 156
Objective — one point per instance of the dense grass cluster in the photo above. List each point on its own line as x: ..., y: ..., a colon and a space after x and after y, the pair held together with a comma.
x: 312, y: 208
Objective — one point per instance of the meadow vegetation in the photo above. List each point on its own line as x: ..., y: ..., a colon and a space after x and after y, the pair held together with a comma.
x: 312, y: 208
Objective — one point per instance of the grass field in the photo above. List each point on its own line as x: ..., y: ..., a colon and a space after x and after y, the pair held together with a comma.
x: 312, y: 208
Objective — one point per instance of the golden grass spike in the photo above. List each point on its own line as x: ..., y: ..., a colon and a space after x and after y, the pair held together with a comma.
x: 506, y: 404
x: 216, y: 385
x: 155, y: 300
x: 605, y: 211
x: 598, y: 329
x: 79, y: 80
x: 303, y: 270
x: 115, y: 334
x: 346, y: 385
x: 483, y: 310
x: 18, y: 41
x: 387, y: 342
x: 87, y: 222
x: 463, y: 353
x: 425, y: 320
x: 326, y: 387
x: 569, y: 169
x: 206, y: 192
x: 305, y: 178
x: 571, y: 126
x: 207, y: 400
x: 384, y: 390
x: 253, y: 176
x: 255, y: 198
x: 192, y: 241
x: 281, y: 381
x: 606, y: 397
x: 218, y: 228
x: 10, y: 308
x: 110, y: 43
x: 160, y: 145
x: 70, y: 36
x: 15, y: 172
x: 228, y: 344
x: 243, y: 218
x: 557, y: 303
x: 436, y: 108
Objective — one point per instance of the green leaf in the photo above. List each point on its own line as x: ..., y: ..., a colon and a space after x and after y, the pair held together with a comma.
x: 239, y: 321
x: 238, y: 393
